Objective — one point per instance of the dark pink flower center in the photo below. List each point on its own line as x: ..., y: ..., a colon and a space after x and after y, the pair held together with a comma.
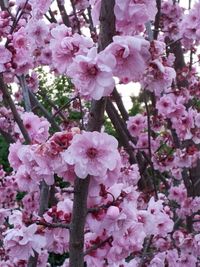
x: 120, y: 53
x: 137, y: 122
x: 92, y: 152
x: 92, y: 70
x: 75, y: 48
x: 165, y: 104
x: 28, y: 126
x: 37, y: 32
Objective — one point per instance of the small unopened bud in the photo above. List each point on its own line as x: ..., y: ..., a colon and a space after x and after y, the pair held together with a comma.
x: 113, y: 212
x: 8, y: 65
x: 4, y: 14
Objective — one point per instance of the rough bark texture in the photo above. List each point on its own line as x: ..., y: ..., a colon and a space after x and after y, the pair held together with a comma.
x: 78, y: 222
x: 63, y: 13
x: 107, y: 30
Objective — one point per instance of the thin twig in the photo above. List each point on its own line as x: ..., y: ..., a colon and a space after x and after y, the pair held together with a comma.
x: 25, y: 91
x: 99, y: 245
x: 54, y: 225
x: 64, y: 106
x: 48, y: 116
x: 149, y: 144
x: 145, y: 250
x: 52, y: 104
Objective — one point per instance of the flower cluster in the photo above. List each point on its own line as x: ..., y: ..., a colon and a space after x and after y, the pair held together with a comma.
x: 143, y: 184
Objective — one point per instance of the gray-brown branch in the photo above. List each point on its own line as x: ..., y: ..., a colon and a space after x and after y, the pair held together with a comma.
x: 76, y: 254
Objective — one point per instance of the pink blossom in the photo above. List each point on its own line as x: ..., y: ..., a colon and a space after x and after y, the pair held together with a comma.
x: 21, y: 243
x: 189, y: 27
x: 43, y: 259
x: 46, y: 56
x: 5, y: 57
x: 13, y: 157
x: 59, y: 32
x: 172, y: 15
x: 197, y: 120
x: 23, y: 61
x: 112, y: 212
x: 92, y: 75
x: 57, y: 240
x: 37, y: 31
x: 65, y: 48
x: 24, y: 180
x: 158, y: 78
x: 184, y: 124
x: 35, y: 166
x: 130, y: 175
x: 92, y: 153
x: 143, y: 143
x: 187, y: 260
x: 126, y: 241
x: 136, y: 124
x: 131, y: 55
x: 20, y: 39
x: 39, y: 7
x: 166, y: 105
x: 81, y: 4
x: 132, y: 15
x: 37, y: 127
x: 16, y: 219
x: 158, y: 260
x: 31, y: 203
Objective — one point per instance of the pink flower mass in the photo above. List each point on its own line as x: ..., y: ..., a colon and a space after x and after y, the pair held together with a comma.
x: 99, y: 133
x: 92, y: 154
x: 92, y: 75
x: 22, y: 242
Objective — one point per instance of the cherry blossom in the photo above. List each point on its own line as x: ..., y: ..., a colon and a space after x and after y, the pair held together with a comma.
x: 92, y: 75
x: 141, y: 204
x: 22, y: 242
x: 92, y: 153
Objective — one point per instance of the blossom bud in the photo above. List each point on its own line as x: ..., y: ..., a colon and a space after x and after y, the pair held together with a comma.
x: 113, y: 212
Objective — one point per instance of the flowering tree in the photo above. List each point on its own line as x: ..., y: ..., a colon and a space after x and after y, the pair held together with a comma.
x: 74, y: 194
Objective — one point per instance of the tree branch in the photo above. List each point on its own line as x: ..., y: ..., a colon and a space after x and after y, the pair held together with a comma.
x: 120, y: 104
x: 76, y: 254
x: 25, y: 91
x: 157, y: 20
x: 121, y: 130
x: 16, y: 116
x: 63, y: 13
x: 44, y: 111
x: 99, y: 245
x: 149, y: 144
x: 54, y: 225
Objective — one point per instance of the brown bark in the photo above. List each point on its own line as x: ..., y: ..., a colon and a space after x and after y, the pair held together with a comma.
x: 76, y: 255
x: 63, y: 13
